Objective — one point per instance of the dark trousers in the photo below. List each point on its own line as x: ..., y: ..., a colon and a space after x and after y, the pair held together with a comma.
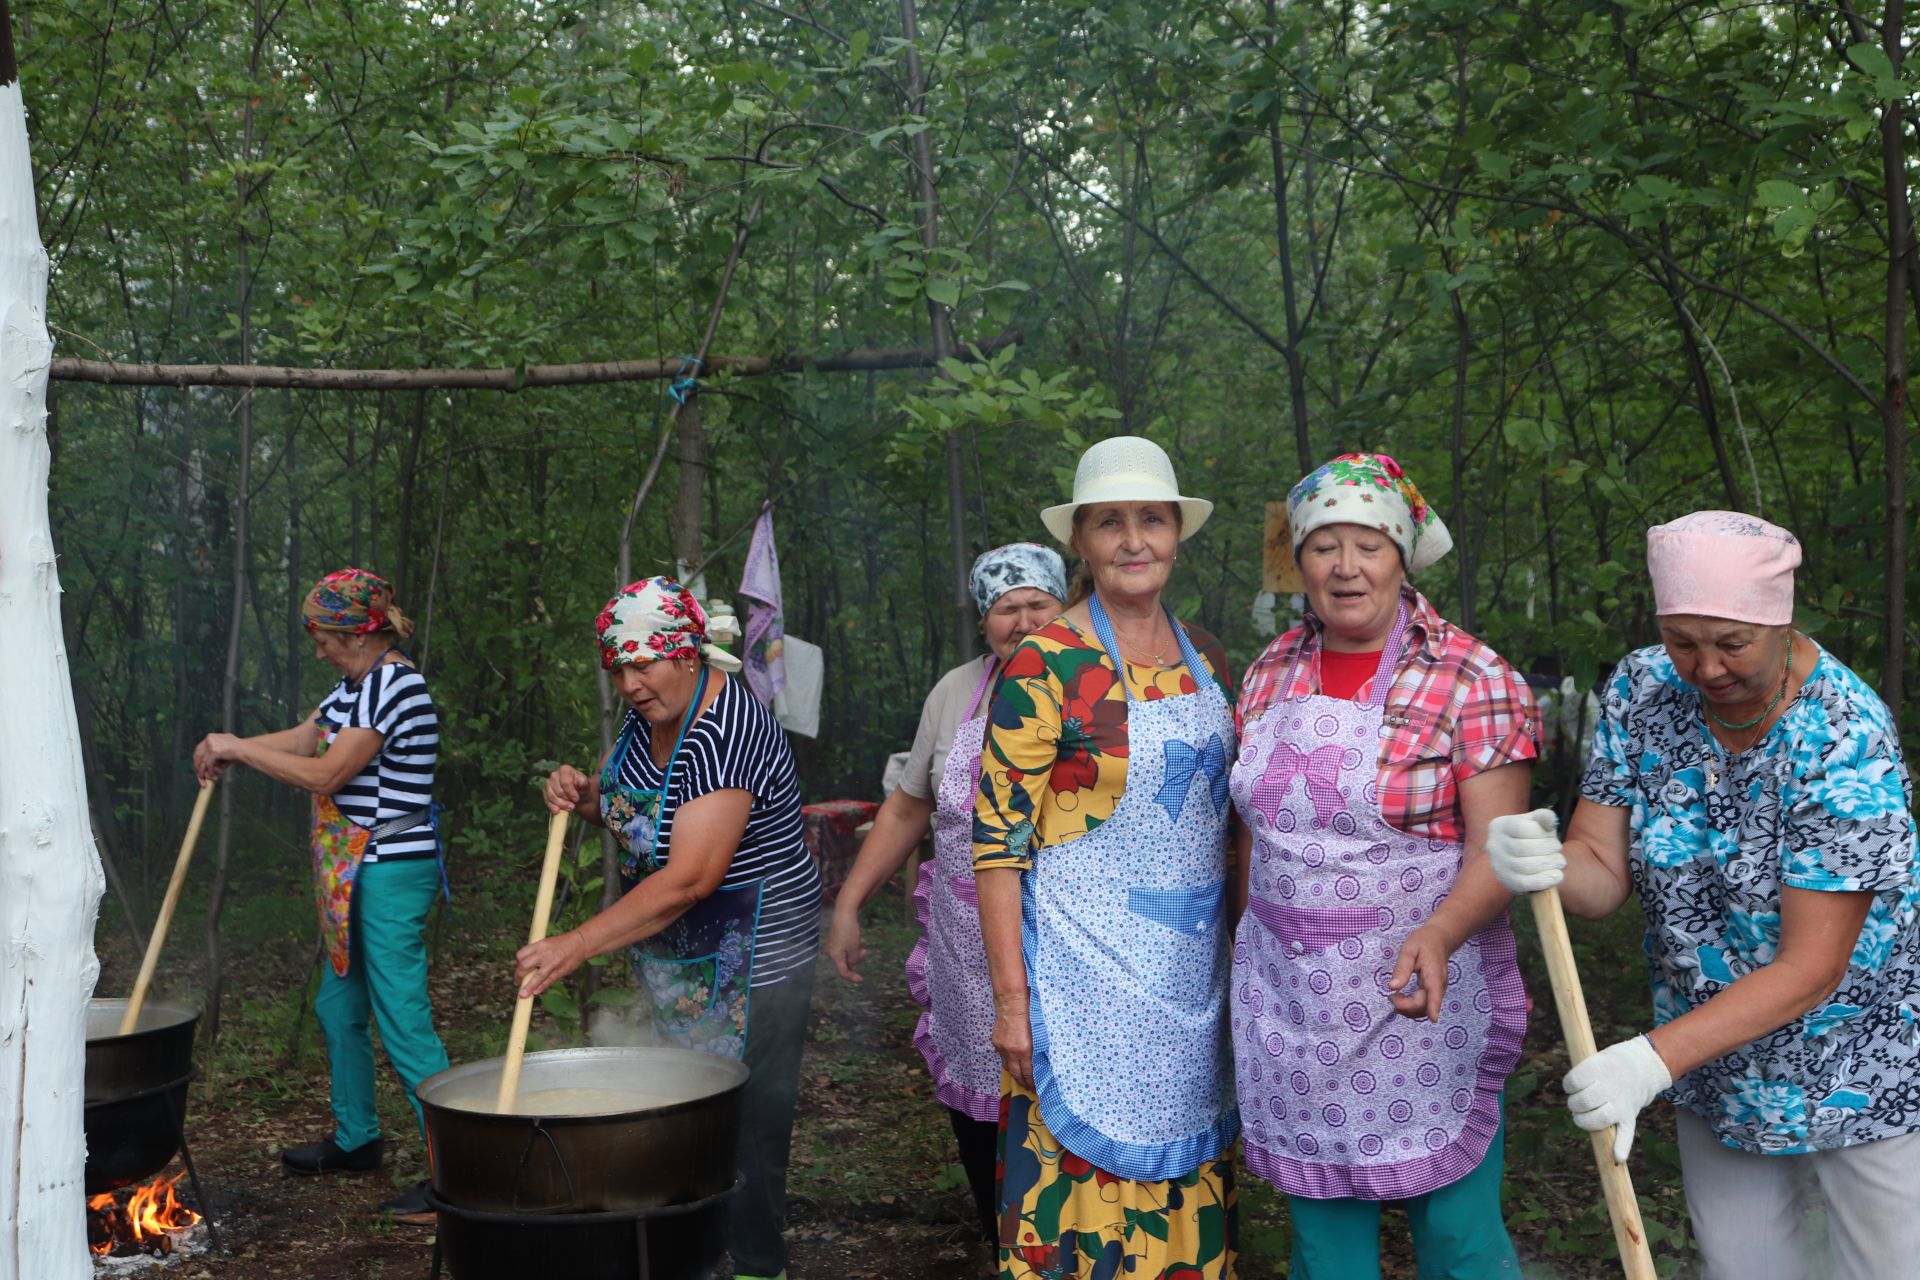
x: 776, y: 1034
x: 980, y: 1156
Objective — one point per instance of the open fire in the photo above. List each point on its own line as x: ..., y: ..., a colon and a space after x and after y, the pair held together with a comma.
x: 149, y: 1220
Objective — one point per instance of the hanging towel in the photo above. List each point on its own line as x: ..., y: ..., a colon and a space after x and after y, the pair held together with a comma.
x: 798, y: 706
x: 760, y: 584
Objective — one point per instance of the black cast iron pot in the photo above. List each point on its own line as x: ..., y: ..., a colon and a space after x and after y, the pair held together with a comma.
x: 681, y: 1150
x: 136, y: 1099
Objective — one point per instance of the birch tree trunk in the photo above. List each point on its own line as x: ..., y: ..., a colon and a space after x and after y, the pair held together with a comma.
x: 50, y: 881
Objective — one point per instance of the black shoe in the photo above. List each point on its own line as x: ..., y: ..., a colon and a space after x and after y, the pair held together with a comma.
x: 325, y: 1156
x: 410, y: 1207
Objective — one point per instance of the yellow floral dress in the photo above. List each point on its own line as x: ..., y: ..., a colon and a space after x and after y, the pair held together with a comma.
x: 1053, y: 768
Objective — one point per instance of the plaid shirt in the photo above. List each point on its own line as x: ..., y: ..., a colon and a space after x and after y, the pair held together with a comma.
x: 1455, y: 709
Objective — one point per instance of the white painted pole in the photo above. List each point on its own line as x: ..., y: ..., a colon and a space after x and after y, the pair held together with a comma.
x: 50, y: 880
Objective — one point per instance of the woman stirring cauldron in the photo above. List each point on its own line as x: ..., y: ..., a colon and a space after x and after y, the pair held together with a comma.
x: 367, y: 756
x: 721, y: 902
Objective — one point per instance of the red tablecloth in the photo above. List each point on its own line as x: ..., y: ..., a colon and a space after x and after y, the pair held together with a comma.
x: 829, y: 832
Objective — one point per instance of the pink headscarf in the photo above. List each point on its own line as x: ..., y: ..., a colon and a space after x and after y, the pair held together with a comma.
x: 1723, y: 564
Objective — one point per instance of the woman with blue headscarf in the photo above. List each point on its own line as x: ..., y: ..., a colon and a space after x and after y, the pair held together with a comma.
x: 1017, y: 589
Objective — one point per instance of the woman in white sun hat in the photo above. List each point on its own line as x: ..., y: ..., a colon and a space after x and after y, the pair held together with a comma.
x: 1102, y: 817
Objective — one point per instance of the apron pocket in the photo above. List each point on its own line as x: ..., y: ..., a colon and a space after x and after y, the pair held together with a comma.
x: 965, y: 888
x: 681, y: 989
x: 1182, y: 962
x: 1304, y: 929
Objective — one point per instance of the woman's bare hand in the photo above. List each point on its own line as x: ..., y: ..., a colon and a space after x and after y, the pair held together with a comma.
x: 1013, y: 1038
x: 565, y: 788
x: 541, y: 964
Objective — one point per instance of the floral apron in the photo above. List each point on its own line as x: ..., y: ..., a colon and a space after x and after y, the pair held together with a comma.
x: 697, y: 973
x: 1124, y: 953
x: 1342, y: 1096
x: 947, y: 972
x: 338, y: 844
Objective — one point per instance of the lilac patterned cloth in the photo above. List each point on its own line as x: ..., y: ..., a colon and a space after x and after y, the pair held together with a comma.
x: 1339, y: 1095
x: 947, y: 971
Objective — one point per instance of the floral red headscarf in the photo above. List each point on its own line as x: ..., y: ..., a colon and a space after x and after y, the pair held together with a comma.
x: 356, y: 602
x: 658, y: 618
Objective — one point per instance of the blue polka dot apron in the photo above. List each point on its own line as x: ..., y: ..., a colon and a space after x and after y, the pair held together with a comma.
x: 1341, y: 1096
x: 1124, y: 953
x: 697, y: 973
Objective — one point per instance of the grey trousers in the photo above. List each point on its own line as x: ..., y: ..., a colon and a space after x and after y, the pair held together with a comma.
x: 1751, y: 1213
x: 776, y: 1035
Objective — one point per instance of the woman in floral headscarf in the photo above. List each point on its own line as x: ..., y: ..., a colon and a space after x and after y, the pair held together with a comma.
x: 367, y: 757
x: 1377, y: 1004
x: 721, y: 904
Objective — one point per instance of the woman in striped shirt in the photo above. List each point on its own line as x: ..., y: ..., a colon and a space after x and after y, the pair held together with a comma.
x: 367, y: 757
x: 722, y: 903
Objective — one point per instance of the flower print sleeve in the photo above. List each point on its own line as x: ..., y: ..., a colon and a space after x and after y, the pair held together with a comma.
x: 1016, y: 761
x: 1849, y: 820
x: 1612, y: 774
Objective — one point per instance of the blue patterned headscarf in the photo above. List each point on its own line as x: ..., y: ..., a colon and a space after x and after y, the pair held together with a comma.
x: 1016, y: 565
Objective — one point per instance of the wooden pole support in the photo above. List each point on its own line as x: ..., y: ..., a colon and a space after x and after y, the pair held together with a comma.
x: 132, y: 1017
x: 1636, y: 1261
x: 523, y: 1006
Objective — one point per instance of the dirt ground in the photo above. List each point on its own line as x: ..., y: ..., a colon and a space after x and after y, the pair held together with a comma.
x: 875, y: 1190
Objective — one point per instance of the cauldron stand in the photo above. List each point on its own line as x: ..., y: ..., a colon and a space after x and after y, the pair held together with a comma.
x: 497, y: 1232
x: 178, y: 1115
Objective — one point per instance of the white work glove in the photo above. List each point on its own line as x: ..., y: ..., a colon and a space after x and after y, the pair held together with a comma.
x: 1524, y: 851
x: 1612, y: 1086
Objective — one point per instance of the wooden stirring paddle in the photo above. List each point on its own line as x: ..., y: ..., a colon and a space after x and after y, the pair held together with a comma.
x: 523, y: 1007
x: 131, y: 1018
x: 1636, y: 1260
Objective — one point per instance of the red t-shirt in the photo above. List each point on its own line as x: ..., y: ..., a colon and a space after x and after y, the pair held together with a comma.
x: 1343, y: 675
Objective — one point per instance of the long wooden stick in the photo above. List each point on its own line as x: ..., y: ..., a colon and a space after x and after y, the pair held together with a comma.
x: 523, y: 1007
x: 165, y: 918
x: 1622, y: 1207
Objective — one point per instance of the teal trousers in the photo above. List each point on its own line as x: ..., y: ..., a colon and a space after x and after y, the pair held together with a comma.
x: 1458, y: 1231
x: 387, y: 980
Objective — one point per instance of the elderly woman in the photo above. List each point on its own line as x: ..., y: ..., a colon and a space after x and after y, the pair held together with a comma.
x: 1102, y: 816
x: 1378, y: 743
x: 367, y: 756
x: 1018, y: 589
x: 1750, y: 789
x: 721, y: 904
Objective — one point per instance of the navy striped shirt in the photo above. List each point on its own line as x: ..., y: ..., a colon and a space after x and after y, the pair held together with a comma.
x: 737, y: 743
x: 392, y: 700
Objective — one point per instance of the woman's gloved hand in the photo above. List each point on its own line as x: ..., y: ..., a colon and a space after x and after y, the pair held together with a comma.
x: 1612, y: 1086
x: 1524, y: 851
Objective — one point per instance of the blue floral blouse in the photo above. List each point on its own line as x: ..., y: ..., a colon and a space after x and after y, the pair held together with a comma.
x: 1823, y: 802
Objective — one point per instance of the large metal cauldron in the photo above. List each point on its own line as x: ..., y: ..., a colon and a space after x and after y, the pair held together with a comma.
x: 682, y: 1150
x: 637, y: 1194
x: 136, y: 1099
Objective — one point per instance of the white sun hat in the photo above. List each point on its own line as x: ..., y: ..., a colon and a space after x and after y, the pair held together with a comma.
x: 1125, y: 469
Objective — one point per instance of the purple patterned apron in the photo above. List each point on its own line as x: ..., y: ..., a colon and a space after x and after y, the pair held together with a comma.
x: 1339, y: 1095
x: 947, y: 972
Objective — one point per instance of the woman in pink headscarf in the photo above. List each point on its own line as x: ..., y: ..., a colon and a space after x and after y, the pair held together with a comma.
x: 1750, y: 789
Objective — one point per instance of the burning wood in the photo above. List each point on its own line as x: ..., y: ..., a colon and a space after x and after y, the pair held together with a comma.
x: 149, y: 1221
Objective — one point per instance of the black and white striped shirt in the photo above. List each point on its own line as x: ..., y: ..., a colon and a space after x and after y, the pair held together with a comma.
x: 738, y: 744
x: 392, y: 700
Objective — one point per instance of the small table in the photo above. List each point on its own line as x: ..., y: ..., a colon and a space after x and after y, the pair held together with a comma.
x: 831, y: 831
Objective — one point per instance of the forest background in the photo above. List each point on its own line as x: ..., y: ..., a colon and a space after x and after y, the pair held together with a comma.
x: 1580, y: 266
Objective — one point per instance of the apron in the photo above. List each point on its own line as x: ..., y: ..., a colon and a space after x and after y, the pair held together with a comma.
x: 338, y: 844
x: 1343, y: 1097
x: 947, y: 972
x: 697, y: 973
x: 1124, y: 953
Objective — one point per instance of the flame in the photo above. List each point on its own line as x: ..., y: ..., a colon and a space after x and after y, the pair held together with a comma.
x: 152, y: 1212
x: 155, y: 1211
